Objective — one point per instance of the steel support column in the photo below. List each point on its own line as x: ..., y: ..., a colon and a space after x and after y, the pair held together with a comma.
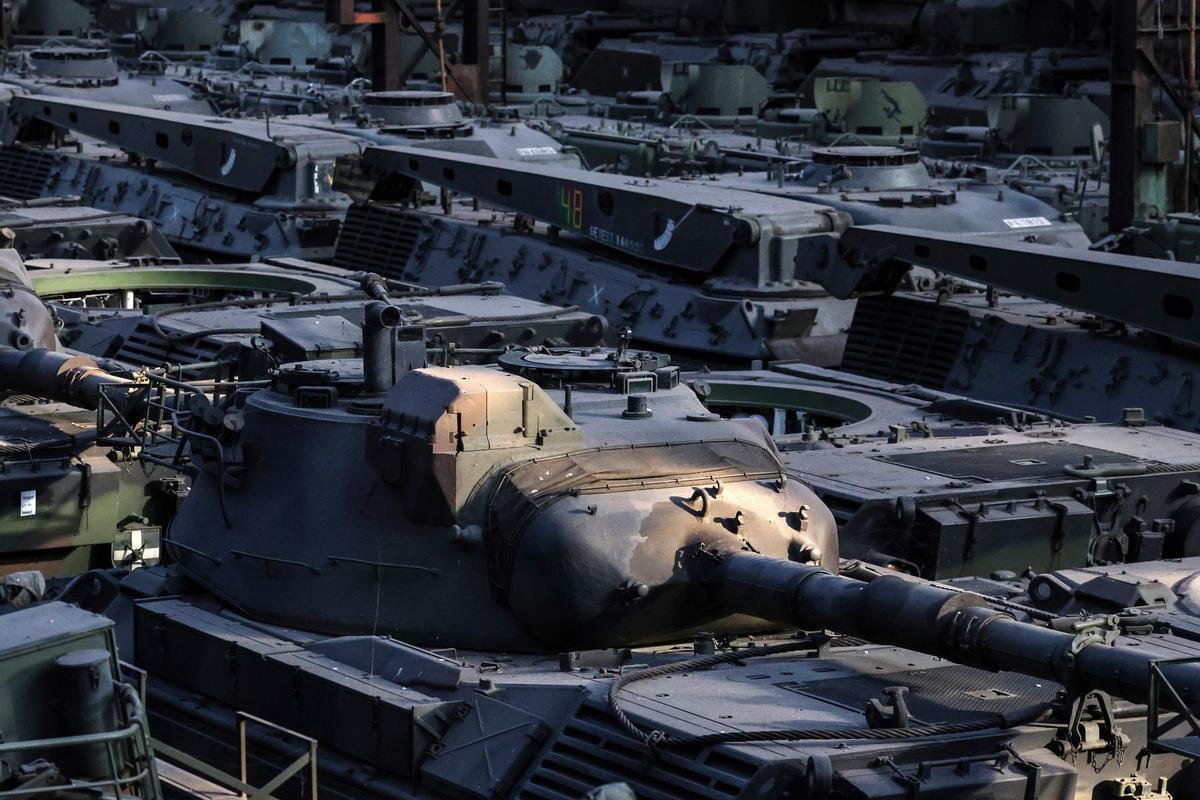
x: 1123, y: 136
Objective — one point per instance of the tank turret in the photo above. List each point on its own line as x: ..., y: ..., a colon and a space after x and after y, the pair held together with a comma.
x: 409, y: 109
x: 540, y: 504
x: 73, y: 66
x: 30, y: 361
x: 25, y: 323
x: 860, y: 167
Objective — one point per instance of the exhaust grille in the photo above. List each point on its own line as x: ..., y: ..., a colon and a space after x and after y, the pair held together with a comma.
x: 24, y: 173
x: 901, y: 340
x: 377, y: 238
x: 146, y: 348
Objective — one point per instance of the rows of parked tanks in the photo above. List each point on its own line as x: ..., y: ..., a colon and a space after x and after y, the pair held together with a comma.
x: 748, y: 400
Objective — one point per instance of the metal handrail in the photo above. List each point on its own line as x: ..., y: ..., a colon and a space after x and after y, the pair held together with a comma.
x: 308, y: 759
x: 1021, y: 163
x: 159, y: 424
x: 241, y: 784
x: 78, y: 740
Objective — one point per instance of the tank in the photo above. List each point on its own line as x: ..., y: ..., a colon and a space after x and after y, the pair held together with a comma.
x: 929, y: 483
x: 893, y: 186
x: 1048, y: 146
x: 847, y: 112
x: 71, y: 506
x: 217, y: 199
x: 564, y: 573
x: 521, y: 439
x: 856, y: 151
x: 634, y: 59
x: 959, y: 86
x: 736, y: 304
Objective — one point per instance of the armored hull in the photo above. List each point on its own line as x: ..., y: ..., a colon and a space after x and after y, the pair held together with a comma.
x: 146, y: 317
x: 472, y: 723
x: 729, y: 324
x: 250, y: 188
x: 50, y: 228
x: 1023, y: 352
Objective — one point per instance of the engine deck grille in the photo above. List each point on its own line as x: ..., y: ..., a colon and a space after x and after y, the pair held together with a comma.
x: 593, y: 750
x: 944, y: 694
x: 1006, y: 462
x: 145, y: 347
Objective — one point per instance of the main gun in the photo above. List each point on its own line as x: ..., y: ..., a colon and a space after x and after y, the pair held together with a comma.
x: 917, y: 615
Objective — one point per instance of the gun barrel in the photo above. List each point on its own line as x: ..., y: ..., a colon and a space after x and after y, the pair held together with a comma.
x: 54, y: 376
x: 920, y: 616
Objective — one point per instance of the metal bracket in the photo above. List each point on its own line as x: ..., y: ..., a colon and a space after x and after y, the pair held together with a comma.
x: 1080, y: 736
x: 892, y: 713
x: 1100, y: 629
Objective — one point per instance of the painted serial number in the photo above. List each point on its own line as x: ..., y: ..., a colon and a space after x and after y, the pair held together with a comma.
x: 1027, y: 222
x: 570, y: 207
